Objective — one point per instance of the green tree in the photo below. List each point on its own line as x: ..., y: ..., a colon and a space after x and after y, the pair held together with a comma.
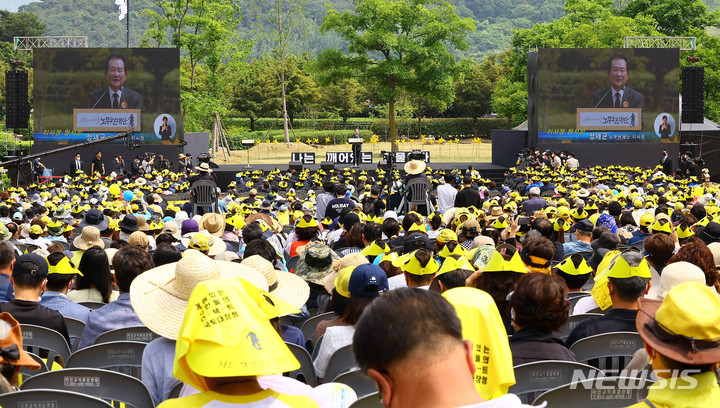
x: 250, y: 94
x: 20, y: 24
x: 472, y: 93
x: 674, y: 17
x: 344, y: 98
x: 398, y: 45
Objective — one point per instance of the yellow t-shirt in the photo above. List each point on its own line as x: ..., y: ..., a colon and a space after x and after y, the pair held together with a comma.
x: 263, y: 399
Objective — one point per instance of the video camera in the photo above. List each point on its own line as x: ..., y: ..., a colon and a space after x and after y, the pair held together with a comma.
x: 205, y: 158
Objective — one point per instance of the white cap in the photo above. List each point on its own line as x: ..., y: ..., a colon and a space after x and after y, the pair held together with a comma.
x: 677, y: 273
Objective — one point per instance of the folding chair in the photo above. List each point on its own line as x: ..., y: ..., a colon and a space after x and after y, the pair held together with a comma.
x: 63, y: 244
x: 108, y: 385
x: 306, y: 372
x: 348, y: 250
x: 50, y: 398
x: 572, y: 322
x: 175, y: 392
x: 308, y: 327
x: 532, y: 379
x: 233, y: 246
x: 608, y: 392
x: 359, y: 382
x: 46, y: 343
x: 610, y: 352
x: 75, y: 329
x: 93, y: 305
x: 417, y: 194
x: 135, y: 333
x: 586, y: 255
x: 368, y: 401
x: 204, y: 197
x: 341, y: 361
x: 292, y: 262
x: 316, y: 347
x: 574, y: 297
x: 121, y: 356
x: 27, y: 373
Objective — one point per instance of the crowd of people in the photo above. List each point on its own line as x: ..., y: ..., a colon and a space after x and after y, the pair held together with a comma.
x: 439, y: 302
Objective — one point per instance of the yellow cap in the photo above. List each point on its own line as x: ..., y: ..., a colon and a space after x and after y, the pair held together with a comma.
x: 568, y: 266
x: 560, y: 223
x: 305, y: 224
x: 683, y: 231
x: 342, y: 281
x: 446, y: 235
x: 647, y: 220
x: 63, y: 267
x: 452, y: 263
x: 36, y: 229
x: 410, y: 264
x: 226, y: 334
x: 500, y: 222
x: 375, y: 249
x: 498, y: 264
x: 201, y: 242
x: 446, y: 252
x: 662, y: 225
x: 417, y: 227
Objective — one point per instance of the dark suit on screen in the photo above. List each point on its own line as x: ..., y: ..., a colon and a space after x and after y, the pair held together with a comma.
x: 664, y: 132
x: 101, y: 99
x: 165, y: 134
x: 605, y: 98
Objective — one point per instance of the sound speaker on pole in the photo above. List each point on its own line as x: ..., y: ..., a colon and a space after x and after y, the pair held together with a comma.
x: 693, y: 94
x: 297, y: 166
x: 327, y: 165
x: 17, y: 108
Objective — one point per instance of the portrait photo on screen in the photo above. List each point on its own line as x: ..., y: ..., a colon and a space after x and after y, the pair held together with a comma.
x: 84, y: 94
x: 607, y: 94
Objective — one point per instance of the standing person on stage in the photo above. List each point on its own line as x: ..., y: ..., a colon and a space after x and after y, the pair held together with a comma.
x: 97, y: 165
x: 184, y: 164
x: 38, y: 168
x: 119, y: 165
x: 76, y: 165
x: 666, y: 163
x: 572, y: 163
x: 135, y: 167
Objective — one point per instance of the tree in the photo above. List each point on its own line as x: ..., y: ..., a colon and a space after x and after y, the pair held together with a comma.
x: 398, y: 45
x: 283, y: 26
x: 473, y: 93
x: 674, y: 17
x: 20, y: 24
x: 344, y: 98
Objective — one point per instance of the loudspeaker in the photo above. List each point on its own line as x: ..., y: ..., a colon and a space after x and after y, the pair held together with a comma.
x: 693, y: 94
x: 16, y: 99
x: 693, y: 148
x: 327, y: 165
x: 382, y: 164
x: 295, y: 166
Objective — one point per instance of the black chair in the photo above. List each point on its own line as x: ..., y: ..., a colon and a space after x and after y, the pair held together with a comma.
x: 50, y: 398
x: 306, y: 372
x: 532, y: 379
x: 586, y: 255
x: 233, y: 246
x: 547, y: 193
x: 46, y: 343
x: 610, y: 352
x: 574, y: 297
x: 175, y: 392
x: 75, y: 329
x: 572, y: 322
x: 609, y: 392
x: 204, y: 197
x: 63, y: 244
x: 108, y: 385
x: 135, y: 333
x: 121, y: 356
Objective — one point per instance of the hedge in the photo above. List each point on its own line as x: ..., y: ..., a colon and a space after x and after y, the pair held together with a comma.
x: 462, y: 128
x: 319, y: 124
x: 304, y: 136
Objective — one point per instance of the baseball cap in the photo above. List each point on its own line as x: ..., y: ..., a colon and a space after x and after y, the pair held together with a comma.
x: 447, y: 235
x: 368, y: 280
x: 584, y: 225
x: 31, y: 264
x: 414, y: 241
x: 36, y: 229
x: 647, y: 220
x: 138, y: 239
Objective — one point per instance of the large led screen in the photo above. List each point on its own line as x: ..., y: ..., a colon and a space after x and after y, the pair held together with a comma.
x: 86, y: 94
x: 605, y: 95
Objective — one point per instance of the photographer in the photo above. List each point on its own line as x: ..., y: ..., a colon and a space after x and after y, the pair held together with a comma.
x: 119, y: 164
x: 161, y: 163
x: 184, y: 164
x: 148, y: 162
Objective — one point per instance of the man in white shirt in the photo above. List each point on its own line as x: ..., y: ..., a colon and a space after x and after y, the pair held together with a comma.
x: 446, y: 194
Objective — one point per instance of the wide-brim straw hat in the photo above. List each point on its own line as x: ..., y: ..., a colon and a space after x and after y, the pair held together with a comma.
x: 89, y: 237
x: 352, y: 259
x: 213, y: 223
x: 415, y: 167
x: 217, y: 245
x: 204, y: 167
x: 284, y: 285
x: 160, y: 296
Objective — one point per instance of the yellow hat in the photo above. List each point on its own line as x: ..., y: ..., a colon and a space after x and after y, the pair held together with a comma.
x: 621, y: 269
x: 662, y: 225
x: 305, y: 224
x: 568, y: 266
x: 410, y: 264
x: 63, y: 267
x: 417, y: 227
x: 482, y: 324
x: 647, y: 220
x: 498, y: 264
x: 560, y: 223
x: 500, y: 222
x: 458, y: 250
x: 342, y: 281
x: 375, y: 249
x: 36, y: 229
x: 230, y: 339
x: 452, y: 263
x: 447, y: 235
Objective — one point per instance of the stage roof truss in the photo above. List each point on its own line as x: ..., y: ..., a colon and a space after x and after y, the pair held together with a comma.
x: 63, y: 41
x: 683, y: 43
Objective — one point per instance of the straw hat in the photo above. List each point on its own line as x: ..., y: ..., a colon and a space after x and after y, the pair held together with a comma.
x: 415, y: 167
x: 213, y: 223
x: 160, y: 295
x: 685, y: 326
x: 353, y: 259
x: 286, y: 286
x: 90, y: 236
x: 215, y: 245
x: 204, y: 167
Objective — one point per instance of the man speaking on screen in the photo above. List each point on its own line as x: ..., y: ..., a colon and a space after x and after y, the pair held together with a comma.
x: 618, y: 94
x: 116, y: 95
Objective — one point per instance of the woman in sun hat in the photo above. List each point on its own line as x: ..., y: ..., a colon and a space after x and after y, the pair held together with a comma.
x: 682, y: 339
x: 313, y: 266
x: 12, y: 355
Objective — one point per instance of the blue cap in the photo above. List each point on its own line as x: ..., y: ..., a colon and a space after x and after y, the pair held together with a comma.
x: 368, y: 280
x: 23, y: 265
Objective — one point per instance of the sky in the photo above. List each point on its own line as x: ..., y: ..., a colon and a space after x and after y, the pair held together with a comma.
x: 12, y: 5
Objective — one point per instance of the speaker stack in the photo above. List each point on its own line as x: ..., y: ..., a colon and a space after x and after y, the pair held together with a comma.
x: 693, y: 94
x: 16, y: 99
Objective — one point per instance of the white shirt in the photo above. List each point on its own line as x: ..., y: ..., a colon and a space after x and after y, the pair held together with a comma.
x: 506, y: 401
x: 585, y: 305
x: 446, y: 197
x: 335, y: 338
x: 397, y: 282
